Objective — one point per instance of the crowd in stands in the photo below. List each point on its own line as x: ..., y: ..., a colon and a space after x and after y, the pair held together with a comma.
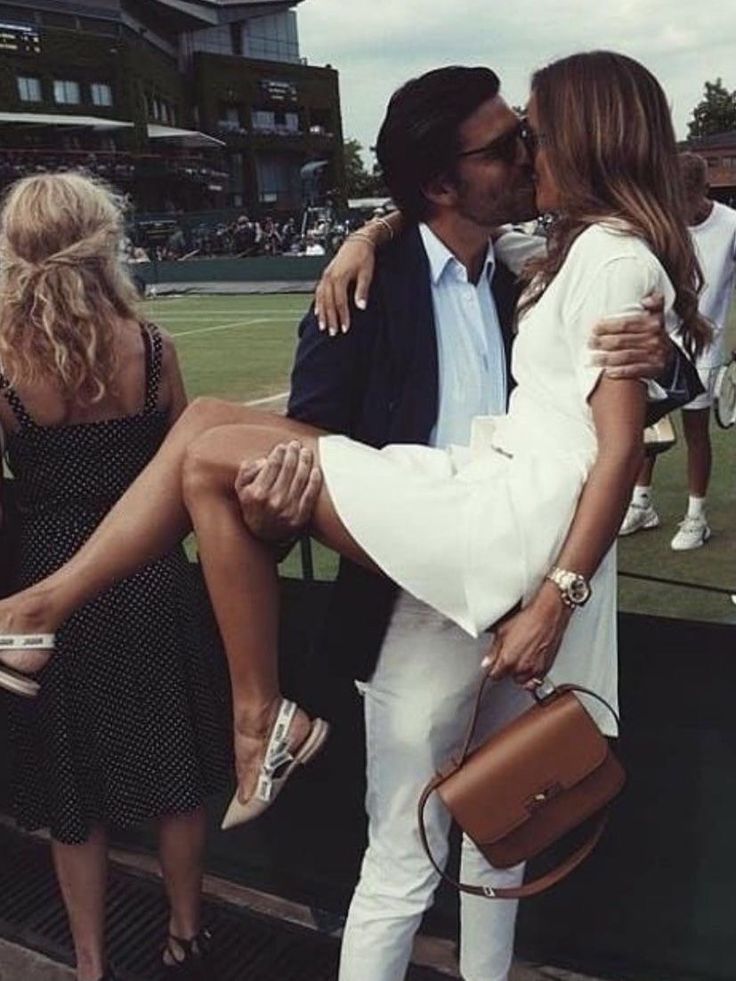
x: 245, y: 237
x: 114, y: 167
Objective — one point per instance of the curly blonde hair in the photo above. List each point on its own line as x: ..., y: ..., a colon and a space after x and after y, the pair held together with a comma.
x: 62, y: 285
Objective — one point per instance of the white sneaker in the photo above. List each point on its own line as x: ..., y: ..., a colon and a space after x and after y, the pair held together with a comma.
x: 639, y: 517
x: 693, y: 533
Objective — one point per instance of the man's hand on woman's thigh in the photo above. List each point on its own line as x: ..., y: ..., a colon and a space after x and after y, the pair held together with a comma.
x: 277, y: 493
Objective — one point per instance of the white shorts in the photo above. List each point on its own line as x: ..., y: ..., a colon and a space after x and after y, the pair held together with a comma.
x: 705, y: 399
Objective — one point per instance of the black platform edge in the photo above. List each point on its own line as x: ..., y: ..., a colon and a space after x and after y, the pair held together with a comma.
x: 247, y: 945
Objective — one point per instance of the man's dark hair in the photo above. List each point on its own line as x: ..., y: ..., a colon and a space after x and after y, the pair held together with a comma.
x: 694, y: 171
x: 419, y: 140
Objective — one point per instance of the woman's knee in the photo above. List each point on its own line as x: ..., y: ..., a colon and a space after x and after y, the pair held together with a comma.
x: 205, y: 413
x: 202, y: 470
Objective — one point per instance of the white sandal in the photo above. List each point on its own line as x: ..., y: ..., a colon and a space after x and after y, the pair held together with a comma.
x: 278, y: 765
x: 16, y: 681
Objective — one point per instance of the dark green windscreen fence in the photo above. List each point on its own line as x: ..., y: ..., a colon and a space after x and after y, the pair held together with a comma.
x: 655, y: 900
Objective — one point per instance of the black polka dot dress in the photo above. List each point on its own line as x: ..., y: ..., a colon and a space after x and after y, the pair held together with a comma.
x: 132, y: 719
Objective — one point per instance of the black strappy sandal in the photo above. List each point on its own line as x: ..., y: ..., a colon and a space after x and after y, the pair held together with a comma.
x: 185, y: 958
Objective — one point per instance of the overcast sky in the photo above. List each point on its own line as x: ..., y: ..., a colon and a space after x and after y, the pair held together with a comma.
x: 378, y: 44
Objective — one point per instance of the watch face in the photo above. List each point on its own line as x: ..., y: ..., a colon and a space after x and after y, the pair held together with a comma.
x: 578, y: 590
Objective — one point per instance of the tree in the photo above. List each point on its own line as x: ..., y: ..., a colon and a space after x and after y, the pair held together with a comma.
x: 715, y: 113
x: 359, y: 182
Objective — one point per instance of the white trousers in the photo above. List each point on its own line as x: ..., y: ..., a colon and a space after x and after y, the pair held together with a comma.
x: 417, y: 709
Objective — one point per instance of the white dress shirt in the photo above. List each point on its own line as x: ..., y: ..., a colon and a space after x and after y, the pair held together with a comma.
x: 470, y: 349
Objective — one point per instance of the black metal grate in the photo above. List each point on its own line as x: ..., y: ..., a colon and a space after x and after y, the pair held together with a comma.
x: 247, y: 947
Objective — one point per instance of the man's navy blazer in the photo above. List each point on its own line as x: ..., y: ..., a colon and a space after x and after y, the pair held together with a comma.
x: 378, y: 384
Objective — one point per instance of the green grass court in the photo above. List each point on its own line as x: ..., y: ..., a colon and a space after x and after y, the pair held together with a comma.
x: 241, y: 348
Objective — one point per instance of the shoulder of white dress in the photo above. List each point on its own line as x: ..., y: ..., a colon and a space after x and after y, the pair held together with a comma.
x: 606, y: 242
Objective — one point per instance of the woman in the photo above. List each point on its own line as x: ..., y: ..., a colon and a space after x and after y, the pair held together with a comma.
x: 470, y: 531
x: 127, y: 723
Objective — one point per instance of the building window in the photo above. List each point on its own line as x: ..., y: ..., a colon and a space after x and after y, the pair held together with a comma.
x: 279, y: 180
x: 66, y: 93
x: 269, y: 121
x: 320, y: 122
x: 273, y: 37
x: 229, y: 120
x: 236, y: 35
x: 230, y: 114
x: 101, y: 94
x: 29, y: 88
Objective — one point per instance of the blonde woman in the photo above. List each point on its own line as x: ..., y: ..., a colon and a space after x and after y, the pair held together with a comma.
x: 126, y: 726
x: 527, y: 514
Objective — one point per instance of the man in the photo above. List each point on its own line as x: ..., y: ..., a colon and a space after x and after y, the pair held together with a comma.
x: 428, y: 352
x: 713, y: 230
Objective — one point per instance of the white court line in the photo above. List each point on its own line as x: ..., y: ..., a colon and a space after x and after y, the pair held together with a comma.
x: 210, y: 330
x: 175, y: 318
x: 181, y: 309
x: 197, y: 309
x: 212, y: 297
x: 271, y: 398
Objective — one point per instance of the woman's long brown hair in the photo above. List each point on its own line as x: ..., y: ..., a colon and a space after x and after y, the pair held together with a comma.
x: 607, y: 133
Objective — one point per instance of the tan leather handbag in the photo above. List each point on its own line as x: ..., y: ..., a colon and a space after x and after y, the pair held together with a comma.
x: 542, y: 775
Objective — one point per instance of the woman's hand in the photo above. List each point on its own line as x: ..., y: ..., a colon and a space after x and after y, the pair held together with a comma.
x: 354, y: 263
x: 525, y: 646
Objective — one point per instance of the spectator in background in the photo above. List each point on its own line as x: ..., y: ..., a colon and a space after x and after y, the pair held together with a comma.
x: 288, y: 235
x: 130, y: 722
x: 312, y: 245
x: 713, y: 230
x: 244, y: 236
x: 176, y: 245
x: 271, y: 240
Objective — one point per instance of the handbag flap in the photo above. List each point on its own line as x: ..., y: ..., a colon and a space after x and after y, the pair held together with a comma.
x: 548, y: 749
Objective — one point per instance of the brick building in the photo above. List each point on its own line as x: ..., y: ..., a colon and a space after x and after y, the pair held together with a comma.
x: 185, y: 104
x: 719, y: 152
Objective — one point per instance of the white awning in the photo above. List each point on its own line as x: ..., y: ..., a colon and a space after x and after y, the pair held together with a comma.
x: 187, y: 137
x: 365, y: 204
x: 61, y: 119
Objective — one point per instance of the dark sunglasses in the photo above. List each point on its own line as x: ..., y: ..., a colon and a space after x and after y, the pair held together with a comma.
x: 531, y: 139
x: 506, y: 147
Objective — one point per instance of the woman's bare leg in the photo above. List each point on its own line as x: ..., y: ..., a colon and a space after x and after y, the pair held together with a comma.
x: 181, y: 845
x: 81, y: 871
x: 147, y: 521
x: 240, y: 572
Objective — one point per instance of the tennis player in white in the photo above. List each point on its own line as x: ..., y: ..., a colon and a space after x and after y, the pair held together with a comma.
x: 713, y: 230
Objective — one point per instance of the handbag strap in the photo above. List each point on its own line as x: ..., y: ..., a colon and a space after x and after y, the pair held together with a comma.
x: 555, y: 690
x: 550, y: 878
x: 527, y: 889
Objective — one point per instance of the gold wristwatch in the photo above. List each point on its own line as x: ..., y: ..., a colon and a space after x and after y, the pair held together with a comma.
x: 574, y: 588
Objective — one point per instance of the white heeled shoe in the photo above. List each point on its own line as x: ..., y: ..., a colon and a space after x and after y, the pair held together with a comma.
x: 278, y: 765
x: 16, y: 681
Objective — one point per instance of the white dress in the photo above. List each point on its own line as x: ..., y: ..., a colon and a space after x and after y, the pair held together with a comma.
x: 473, y: 530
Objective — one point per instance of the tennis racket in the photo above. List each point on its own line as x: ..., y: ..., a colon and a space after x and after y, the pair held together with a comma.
x: 724, y: 395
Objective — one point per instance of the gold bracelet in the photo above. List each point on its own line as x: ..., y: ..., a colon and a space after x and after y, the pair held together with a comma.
x: 363, y: 236
x: 387, y: 225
